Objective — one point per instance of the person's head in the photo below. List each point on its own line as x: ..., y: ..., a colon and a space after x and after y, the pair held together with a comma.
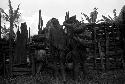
x: 95, y: 9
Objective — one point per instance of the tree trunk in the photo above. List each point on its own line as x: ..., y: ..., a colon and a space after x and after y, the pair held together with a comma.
x: 101, y: 56
x: 10, y: 46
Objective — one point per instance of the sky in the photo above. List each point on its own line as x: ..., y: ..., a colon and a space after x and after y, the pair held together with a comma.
x: 57, y: 8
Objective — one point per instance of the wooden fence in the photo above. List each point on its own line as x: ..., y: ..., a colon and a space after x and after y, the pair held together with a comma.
x: 105, y: 45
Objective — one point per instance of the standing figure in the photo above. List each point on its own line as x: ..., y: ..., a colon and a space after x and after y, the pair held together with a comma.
x: 93, y: 15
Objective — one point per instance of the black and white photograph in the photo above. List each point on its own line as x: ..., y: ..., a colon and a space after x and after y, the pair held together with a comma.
x: 62, y: 42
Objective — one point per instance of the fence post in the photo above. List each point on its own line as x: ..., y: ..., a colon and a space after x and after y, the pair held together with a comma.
x: 4, y: 64
x: 0, y: 25
x: 29, y: 34
x: 95, y: 41
x: 107, y: 48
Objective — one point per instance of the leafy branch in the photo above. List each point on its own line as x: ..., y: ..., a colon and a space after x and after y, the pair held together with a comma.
x: 12, y: 17
x: 93, y: 16
x: 109, y: 19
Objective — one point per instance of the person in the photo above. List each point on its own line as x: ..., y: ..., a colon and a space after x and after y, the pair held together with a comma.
x: 70, y: 25
x: 40, y: 59
x: 93, y: 15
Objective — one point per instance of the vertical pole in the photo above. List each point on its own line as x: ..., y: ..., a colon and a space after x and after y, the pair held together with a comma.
x: 4, y: 65
x: 123, y: 37
x: 68, y: 15
x: 0, y: 25
x: 123, y: 40
x: 107, y: 49
x: 29, y: 34
x: 39, y: 17
x: 95, y: 41
x: 39, y: 21
x: 10, y: 45
x: 101, y: 56
x: 123, y: 56
x: 33, y: 62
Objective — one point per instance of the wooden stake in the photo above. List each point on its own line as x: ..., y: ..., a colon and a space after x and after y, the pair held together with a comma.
x: 0, y: 25
x: 29, y: 34
x: 39, y: 27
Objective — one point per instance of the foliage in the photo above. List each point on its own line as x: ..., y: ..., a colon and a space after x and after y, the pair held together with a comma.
x: 5, y: 32
x: 93, y: 16
x: 87, y: 17
x: 12, y: 13
x: 121, y: 17
x: 109, y: 19
x: 12, y: 17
